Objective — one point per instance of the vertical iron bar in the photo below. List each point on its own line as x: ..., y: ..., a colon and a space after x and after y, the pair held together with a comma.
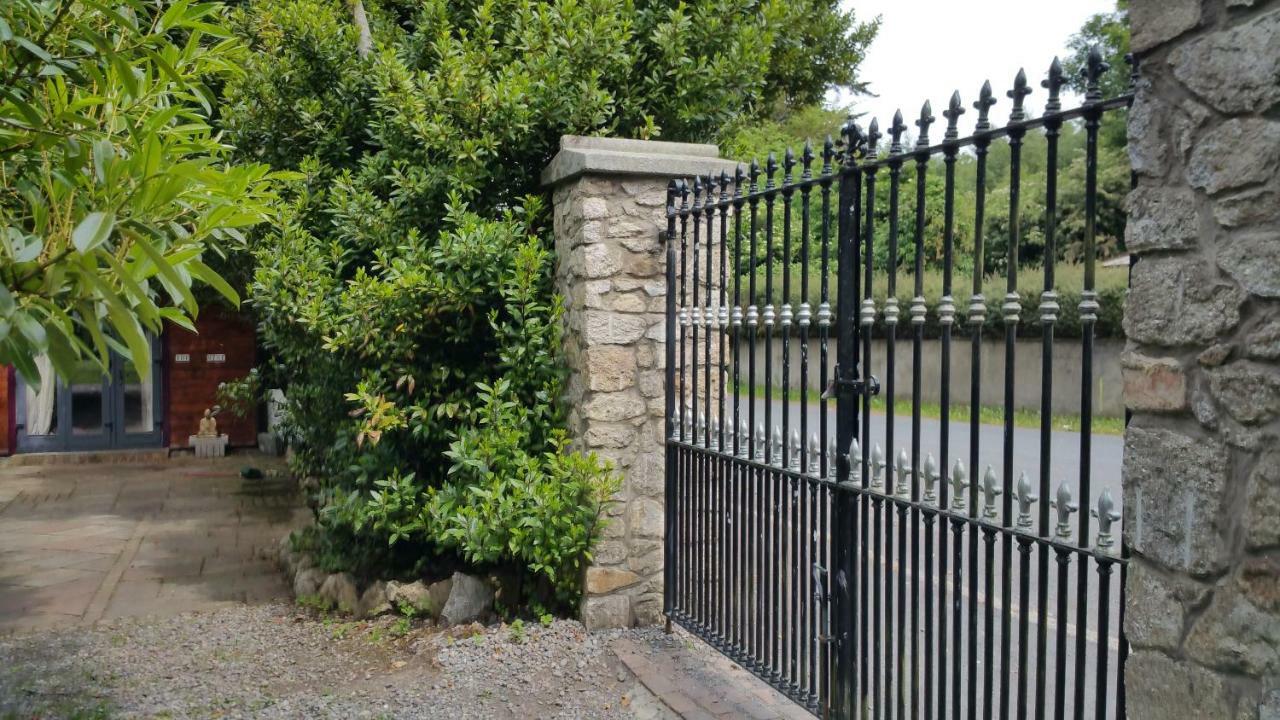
x: 724, y: 503
x: 1060, y: 642
x: 891, y: 332
x: 682, y: 531
x: 742, y: 475
x: 1048, y: 315
x: 771, y: 493
x: 824, y: 324
x: 803, y: 319
x: 1010, y: 310
x: 753, y: 324
x: 789, y: 506
x: 844, y: 517
x: 946, y: 316
x: 711, y: 568
x: 977, y: 317
x: 866, y: 319
x: 1094, y: 67
x: 917, y: 346
x: 1104, y: 611
x: 669, y: 368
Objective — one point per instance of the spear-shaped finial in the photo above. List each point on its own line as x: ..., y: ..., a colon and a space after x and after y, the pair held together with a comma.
x: 775, y: 444
x: 904, y: 474
x: 744, y: 438
x: 851, y: 134
x: 754, y: 174
x: 761, y: 439
x: 953, y: 112
x: 828, y: 154
x: 697, y: 193
x: 1065, y: 505
x: 877, y: 466
x: 926, y: 119
x: 701, y: 428
x: 724, y: 186
x: 795, y: 450
x: 873, y: 136
x: 1107, y: 515
x: 986, y: 98
x: 930, y: 479
x: 770, y: 169
x: 815, y: 454
x: 1019, y: 93
x: 1054, y: 84
x: 806, y: 160
x: 1093, y: 68
x: 990, y: 491
x: 739, y: 176
x: 855, y: 451
x: 788, y: 162
x: 959, y: 481
x: 1026, y: 498
x: 895, y: 133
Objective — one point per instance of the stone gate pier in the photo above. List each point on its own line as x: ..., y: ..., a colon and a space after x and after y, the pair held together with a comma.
x: 1202, y: 451
x: 610, y: 199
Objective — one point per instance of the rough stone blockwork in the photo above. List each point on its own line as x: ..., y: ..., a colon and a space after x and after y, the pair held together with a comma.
x: 610, y: 200
x: 1202, y: 453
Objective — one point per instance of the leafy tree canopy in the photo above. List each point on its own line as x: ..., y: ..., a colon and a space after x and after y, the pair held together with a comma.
x: 115, y: 192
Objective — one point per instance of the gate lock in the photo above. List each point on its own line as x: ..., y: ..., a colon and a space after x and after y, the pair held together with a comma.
x: 869, y: 387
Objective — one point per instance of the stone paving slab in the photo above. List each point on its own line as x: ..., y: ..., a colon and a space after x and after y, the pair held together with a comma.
x: 698, y: 683
x: 81, y: 543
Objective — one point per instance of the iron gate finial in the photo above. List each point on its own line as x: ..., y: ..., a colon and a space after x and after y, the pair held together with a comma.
x: 1019, y: 93
x: 959, y: 481
x: 1065, y: 505
x: 926, y: 119
x: 953, y: 112
x: 990, y: 491
x: 1026, y: 498
x: 1054, y: 84
x: 1107, y: 515
x: 986, y: 98
x: 930, y: 479
x: 1093, y: 69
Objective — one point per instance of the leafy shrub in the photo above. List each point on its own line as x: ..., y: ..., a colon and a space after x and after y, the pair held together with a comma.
x: 405, y: 298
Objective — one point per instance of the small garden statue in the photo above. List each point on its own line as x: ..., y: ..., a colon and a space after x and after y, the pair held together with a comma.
x: 208, y: 425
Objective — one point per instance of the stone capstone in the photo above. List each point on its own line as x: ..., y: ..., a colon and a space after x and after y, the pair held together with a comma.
x: 339, y: 591
x: 1174, y: 488
x: 470, y: 598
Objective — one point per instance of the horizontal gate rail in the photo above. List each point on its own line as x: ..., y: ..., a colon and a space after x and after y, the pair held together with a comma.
x: 860, y: 572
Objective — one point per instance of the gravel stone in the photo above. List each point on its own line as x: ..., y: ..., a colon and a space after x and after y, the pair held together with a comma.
x: 274, y: 661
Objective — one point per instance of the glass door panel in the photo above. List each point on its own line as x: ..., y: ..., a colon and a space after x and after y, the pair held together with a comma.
x: 87, y: 388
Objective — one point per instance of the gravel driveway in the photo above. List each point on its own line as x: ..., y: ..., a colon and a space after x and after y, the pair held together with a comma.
x: 275, y: 661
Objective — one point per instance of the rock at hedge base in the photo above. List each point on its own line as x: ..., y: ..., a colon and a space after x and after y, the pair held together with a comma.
x: 470, y: 599
x: 339, y: 590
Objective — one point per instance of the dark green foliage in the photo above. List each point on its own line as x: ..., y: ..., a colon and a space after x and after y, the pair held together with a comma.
x: 406, y: 298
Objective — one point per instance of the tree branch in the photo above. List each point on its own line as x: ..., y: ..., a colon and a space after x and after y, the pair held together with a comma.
x: 365, y: 43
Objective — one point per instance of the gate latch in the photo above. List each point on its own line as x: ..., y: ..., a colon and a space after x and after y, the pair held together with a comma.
x: 869, y: 387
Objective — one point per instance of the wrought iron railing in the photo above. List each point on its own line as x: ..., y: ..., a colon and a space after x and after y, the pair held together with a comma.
x: 860, y: 582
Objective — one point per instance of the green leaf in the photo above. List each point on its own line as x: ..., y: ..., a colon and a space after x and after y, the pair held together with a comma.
x: 208, y: 276
x: 93, y: 230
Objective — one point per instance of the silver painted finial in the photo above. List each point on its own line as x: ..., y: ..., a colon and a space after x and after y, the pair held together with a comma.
x: 1107, y: 515
x: 1065, y: 505
x: 959, y: 482
x: 930, y: 479
x: 990, y: 491
x: 1026, y: 498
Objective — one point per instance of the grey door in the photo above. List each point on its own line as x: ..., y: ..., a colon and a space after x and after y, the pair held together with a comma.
x: 90, y: 410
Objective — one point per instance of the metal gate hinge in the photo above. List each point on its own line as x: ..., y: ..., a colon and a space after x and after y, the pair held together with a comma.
x: 869, y: 387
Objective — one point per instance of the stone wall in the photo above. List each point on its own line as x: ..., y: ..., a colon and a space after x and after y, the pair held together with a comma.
x: 610, y: 200
x: 1202, y: 377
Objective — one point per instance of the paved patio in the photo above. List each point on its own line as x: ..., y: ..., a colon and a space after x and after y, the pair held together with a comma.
x: 83, y: 543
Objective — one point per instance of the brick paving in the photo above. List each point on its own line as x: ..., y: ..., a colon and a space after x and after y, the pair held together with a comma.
x: 698, y: 683
x: 81, y: 543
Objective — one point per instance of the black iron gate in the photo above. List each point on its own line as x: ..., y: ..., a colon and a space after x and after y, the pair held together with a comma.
x: 870, y: 582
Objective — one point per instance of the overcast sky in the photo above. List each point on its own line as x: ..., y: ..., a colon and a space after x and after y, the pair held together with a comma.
x: 927, y: 48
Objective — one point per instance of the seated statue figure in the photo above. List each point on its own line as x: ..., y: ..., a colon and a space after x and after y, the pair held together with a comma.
x: 208, y: 425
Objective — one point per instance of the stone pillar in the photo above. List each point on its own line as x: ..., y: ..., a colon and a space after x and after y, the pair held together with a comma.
x: 1202, y: 377
x: 610, y: 198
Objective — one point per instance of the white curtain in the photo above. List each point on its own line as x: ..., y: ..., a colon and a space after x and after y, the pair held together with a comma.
x: 145, y: 388
x: 40, y: 398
